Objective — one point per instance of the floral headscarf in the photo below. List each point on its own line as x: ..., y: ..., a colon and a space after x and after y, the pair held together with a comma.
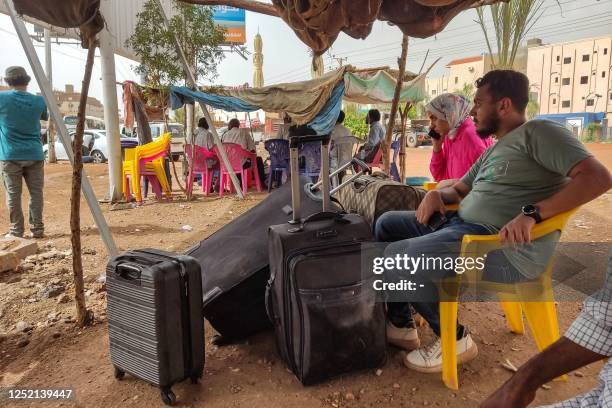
x: 452, y: 108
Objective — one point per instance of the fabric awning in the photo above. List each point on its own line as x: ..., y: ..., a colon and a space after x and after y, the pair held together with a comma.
x: 316, y: 102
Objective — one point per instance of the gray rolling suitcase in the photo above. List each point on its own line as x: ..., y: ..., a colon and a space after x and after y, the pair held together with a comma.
x: 326, y: 315
x: 155, y: 322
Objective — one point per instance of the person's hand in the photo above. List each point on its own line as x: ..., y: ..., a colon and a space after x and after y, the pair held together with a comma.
x: 517, y: 231
x: 432, y: 202
x: 437, y: 144
x: 510, y: 395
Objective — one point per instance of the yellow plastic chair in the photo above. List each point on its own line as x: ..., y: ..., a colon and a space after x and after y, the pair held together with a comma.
x: 533, y: 298
x: 430, y: 185
x: 146, y: 159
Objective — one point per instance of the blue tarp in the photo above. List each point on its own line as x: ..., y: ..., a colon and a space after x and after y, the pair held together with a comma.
x: 323, y: 122
x: 180, y: 95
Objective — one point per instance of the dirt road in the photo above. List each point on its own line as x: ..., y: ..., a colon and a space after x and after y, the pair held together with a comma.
x: 54, y: 354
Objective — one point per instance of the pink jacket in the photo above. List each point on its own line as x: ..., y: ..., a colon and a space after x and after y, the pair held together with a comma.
x: 458, y: 155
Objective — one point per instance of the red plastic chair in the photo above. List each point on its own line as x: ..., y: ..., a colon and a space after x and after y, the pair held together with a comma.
x: 200, y: 166
x: 236, y: 156
x: 377, y: 160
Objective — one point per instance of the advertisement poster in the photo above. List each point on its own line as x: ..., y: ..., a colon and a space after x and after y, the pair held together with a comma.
x: 232, y: 19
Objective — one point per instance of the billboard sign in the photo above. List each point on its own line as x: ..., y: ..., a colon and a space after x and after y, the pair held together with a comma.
x: 232, y: 19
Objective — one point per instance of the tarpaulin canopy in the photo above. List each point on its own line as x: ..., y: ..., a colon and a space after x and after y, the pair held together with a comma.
x: 380, y: 88
x: 316, y: 102
x: 318, y: 22
x: 84, y: 14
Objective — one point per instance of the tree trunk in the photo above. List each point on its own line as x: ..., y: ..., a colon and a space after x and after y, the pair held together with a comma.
x: 84, y: 317
x: 396, y: 96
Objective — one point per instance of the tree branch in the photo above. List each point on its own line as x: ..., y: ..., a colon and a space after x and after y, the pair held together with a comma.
x: 251, y: 5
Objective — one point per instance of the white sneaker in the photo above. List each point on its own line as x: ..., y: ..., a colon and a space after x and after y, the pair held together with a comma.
x: 406, y: 338
x: 428, y: 359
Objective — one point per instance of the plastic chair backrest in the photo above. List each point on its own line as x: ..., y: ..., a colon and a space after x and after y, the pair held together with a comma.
x: 154, y: 150
x: 311, y: 151
x: 235, y: 155
x: 279, y: 153
x: 199, y: 157
x: 395, y: 147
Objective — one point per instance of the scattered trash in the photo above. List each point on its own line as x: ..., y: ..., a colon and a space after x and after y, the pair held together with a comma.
x: 546, y: 387
x: 507, y: 364
x: 378, y: 372
x: 578, y: 374
x: 187, y: 227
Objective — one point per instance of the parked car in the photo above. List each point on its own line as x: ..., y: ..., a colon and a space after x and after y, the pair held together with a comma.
x: 177, y: 146
x: 94, y: 145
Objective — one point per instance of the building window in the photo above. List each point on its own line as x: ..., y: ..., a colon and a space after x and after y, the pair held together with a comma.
x: 566, y: 81
x: 603, y: 74
x: 433, y: 91
x: 558, y: 58
x: 586, y: 58
x: 456, y: 80
x: 605, y: 51
x: 567, y: 60
x: 590, y: 102
x: 556, y: 80
x: 554, y: 101
x: 584, y: 80
x: 565, y: 104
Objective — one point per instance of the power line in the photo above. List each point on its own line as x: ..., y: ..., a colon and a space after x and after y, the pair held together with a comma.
x: 301, y: 70
x: 454, y: 49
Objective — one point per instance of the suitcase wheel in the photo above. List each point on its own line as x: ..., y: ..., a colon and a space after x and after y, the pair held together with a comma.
x: 119, y: 373
x: 167, y: 396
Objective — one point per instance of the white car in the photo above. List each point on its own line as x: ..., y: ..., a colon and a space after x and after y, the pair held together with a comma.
x: 94, y: 145
x: 177, y: 144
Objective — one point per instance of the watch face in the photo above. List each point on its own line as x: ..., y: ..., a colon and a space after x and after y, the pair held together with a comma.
x: 529, y: 209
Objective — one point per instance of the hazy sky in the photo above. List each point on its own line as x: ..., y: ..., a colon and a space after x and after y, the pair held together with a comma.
x: 286, y: 58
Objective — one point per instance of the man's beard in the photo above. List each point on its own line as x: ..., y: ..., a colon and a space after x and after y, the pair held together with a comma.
x: 491, y: 128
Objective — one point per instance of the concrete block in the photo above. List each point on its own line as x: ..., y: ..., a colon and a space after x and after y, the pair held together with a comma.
x: 19, y: 246
x: 8, y: 261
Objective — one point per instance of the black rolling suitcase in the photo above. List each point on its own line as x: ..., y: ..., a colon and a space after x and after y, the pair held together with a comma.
x: 155, y: 322
x: 235, y: 266
x: 326, y: 315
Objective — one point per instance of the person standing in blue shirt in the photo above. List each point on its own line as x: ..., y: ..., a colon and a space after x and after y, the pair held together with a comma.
x: 21, y: 152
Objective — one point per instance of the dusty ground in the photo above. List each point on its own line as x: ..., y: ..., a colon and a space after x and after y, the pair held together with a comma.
x: 55, y: 354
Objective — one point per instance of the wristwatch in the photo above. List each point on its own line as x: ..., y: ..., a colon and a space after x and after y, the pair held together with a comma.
x: 532, y: 211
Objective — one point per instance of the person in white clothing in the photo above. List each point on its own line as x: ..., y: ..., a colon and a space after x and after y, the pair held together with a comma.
x: 203, y: 136
x: 242, y: 137
x: 340, y: 146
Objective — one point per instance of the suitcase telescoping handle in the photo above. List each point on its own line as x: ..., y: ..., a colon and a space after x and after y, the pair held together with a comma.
x: 312, y: 190
x: 294, y: 142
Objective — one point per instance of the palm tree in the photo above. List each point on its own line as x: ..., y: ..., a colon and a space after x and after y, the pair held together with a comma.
x: 511, y: 23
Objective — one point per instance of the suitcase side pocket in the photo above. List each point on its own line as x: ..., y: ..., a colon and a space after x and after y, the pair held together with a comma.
x: 342, y: 330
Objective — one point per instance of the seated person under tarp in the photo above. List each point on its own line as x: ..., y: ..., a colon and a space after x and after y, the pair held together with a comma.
x: 242, y: 137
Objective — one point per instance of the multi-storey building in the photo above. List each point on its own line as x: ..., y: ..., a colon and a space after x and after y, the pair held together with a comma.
x: 571, y: 81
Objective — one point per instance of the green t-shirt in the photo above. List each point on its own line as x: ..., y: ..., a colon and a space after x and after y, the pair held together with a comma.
x: 528, y: 165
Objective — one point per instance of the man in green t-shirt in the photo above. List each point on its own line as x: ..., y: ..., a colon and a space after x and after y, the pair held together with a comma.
x: 536, y: 170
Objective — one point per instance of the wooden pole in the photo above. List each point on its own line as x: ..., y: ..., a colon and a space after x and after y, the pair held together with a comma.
x: 394, y: 105
x: 84, y: 317
x: 402, y: 141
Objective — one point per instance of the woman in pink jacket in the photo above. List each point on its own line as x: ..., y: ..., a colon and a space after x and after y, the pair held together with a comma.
x: 458, y: 145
